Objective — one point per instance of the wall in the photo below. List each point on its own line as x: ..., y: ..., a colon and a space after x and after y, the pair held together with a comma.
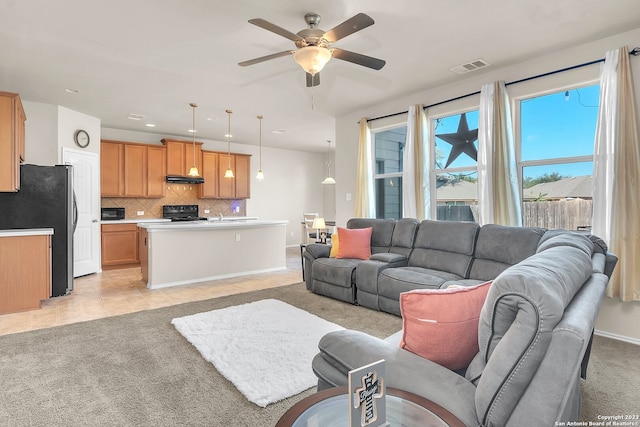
x: 51, y: 127
x: 291, y: 185
x: 620, y: 320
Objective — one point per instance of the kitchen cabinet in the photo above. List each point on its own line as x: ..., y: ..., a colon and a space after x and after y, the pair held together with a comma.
x: 237, y: 187
x: 111, y: 169
x: 209, y: 189
x: 135, y: 170
x: 156, y: 171
x: 120, y: 245
x: 226, y: 186
x: 181, y: 156
x: 12, y: 148
x: 132, y: 170
x: 25, y: 272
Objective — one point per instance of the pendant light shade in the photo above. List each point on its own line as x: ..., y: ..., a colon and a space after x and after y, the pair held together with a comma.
x: 229, y: 172
x: 329, y: 179
x: 260, y: 174
x: 194, y: 169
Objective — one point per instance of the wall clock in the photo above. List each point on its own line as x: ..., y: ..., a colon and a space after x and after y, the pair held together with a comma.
x: 81, y: 137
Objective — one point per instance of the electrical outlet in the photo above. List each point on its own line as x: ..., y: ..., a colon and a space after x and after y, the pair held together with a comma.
x: 140, y: 213
x: 206, y: 211
x: 292, y: 234
x: 348, y: 197
x: 237, y: 237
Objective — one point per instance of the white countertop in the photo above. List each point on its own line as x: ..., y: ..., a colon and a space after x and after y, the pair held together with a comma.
x: 19, y: 232
x: 212, y: 224
x: 134, y: 221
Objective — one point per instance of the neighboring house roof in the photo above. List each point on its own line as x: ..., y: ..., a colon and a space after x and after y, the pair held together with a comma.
x: 450, y: 190
x: 577, y: 186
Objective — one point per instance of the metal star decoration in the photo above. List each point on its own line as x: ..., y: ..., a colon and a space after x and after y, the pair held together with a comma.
x: 461, y: 141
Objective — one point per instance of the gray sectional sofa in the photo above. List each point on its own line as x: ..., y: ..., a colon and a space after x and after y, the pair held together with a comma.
x: 535, y: 326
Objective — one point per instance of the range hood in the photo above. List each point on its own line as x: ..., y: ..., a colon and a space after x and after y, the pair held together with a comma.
x: 184, y: 179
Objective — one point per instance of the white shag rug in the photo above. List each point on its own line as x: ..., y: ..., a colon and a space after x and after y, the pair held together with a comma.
x: 264, y: 348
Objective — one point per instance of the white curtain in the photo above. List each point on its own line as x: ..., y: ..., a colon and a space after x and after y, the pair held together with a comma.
x: 364, y: 202
x: 416, y: 166
x: 616, y: 174
x: 498, y: 194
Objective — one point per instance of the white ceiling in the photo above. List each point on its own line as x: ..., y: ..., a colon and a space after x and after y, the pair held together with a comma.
x: 154, y: 57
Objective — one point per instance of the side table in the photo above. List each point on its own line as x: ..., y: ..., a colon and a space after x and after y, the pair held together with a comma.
x: 330, y: 407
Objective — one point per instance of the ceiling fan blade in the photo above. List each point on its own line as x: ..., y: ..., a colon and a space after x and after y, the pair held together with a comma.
x: 275, y: 29
x: 313, y: 80
x: 357, y: 58
x: 350, y: 26
x: 265, y: 58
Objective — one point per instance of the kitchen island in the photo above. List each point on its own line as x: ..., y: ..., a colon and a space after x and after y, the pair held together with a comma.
x: 180, y: 253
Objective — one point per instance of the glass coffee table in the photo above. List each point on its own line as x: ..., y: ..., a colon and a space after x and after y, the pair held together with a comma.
x: 330, y: 408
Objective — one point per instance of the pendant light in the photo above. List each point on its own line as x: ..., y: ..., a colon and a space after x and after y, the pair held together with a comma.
x: 229, y: 173
x: 194, y: 169
x: 329, y: 179
x: 260, y: 174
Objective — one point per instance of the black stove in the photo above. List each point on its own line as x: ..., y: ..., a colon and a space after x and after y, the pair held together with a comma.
x: 181, y: 213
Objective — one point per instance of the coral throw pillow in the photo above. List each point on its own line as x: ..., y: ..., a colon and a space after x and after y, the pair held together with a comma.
x: 335, y: 244
x: 442, y: 324
x: 354, y: 243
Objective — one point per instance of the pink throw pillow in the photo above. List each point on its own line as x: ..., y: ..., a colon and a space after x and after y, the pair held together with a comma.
x: 354, y: 243
x: 442, y: 324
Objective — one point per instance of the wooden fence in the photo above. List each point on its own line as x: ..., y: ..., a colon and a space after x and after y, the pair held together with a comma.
x: 571, y: 214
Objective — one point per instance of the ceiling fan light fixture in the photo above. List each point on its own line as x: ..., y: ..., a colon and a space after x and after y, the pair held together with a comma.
x: 312, y: 59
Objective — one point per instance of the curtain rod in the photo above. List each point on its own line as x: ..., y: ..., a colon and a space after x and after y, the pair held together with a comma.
x: 634, y: 52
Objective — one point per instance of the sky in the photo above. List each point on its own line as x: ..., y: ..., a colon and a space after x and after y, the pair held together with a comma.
x: 553, y: 126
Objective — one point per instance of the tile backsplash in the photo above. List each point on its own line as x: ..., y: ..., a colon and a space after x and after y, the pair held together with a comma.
x: 177, y: 194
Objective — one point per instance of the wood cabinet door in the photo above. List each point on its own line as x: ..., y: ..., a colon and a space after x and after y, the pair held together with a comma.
x: 192, y: 158
x: 11, y: 141
x: 243, y: 177
x: 111, y: 169
x: 175, y: 158
x: 119, y: 244
x: 135, y: 170
x: 156, y: 171
x: 226, y: 186
x: 209, y: 171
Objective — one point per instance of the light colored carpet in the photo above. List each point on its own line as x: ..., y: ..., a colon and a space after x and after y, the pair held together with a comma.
x: 264, y: 348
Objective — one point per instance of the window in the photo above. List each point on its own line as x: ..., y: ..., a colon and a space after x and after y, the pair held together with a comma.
x: 387, y: 173
x: 456, y: 153
x: 556, y: 157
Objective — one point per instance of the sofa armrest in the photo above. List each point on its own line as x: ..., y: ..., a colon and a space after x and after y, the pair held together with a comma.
x: 317, y: 250
x: 344, y: 350
x: 610, y: 264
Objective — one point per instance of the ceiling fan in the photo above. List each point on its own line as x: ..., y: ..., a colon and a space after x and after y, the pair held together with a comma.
x: 314, y: 45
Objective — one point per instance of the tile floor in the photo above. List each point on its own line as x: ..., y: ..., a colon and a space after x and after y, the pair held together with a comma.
x: 115, y: 292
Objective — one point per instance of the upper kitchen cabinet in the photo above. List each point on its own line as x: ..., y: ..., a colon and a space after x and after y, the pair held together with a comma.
x: 132, y: 170
x: 12, y: 118
x: 181, y: 156
x: 237, y: 187
x: 209, y: 171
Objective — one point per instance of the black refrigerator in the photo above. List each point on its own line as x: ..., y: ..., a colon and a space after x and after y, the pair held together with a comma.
x: 46, y: 200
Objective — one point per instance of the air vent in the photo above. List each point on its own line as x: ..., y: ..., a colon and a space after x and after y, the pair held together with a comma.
x: 476, y: 64
x: 132, y: 116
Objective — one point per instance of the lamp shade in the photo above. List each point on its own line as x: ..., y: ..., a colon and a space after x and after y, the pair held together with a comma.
x: 318, y: 223
x: 328, y: 180
x: 312, y: 58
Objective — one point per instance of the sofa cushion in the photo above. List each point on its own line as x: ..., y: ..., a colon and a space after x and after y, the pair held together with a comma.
x: 354, y: 243
x: 555, y: 238
x: 335, y: 244
x: 338, y: 272
x: 499, y: 247
x: 381, y: 234
x: 442, y: 325
x: 444, y: 245
x: 393, y: 281
x: 404, y: 234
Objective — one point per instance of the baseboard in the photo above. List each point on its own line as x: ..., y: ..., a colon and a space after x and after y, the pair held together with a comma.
x: 624, y: 338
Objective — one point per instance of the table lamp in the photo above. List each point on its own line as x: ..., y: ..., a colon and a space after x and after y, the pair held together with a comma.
x: 318, y: 224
